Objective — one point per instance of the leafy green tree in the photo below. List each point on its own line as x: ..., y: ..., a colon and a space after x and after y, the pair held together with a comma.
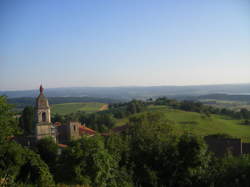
x: 34, y: 170
x: 118, y: 147
x: 157, y: 157
x: 48, y: 150
x: 102, y: 128
x: 21, y: 165
x: 135, y: 106
x: 18, y: 164
x: 27, y: 120
x: 100, y: 121
x: 231, y: 171
x: 87, y: 162
x: 245, y: 113
x: 12, y: 157
x: 150, y: 137
x: 247, y: 122
x: 8, y: 123
x: 57, y: 118
x: 192, y: 161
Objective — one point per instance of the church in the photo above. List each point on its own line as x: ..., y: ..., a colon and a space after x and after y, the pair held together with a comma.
x: 43, y: 127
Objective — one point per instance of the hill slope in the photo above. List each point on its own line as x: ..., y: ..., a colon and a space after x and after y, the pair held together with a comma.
x: 200, y: 124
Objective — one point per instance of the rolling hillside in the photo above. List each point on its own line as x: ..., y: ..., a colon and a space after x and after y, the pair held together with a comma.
x: 200, y: 124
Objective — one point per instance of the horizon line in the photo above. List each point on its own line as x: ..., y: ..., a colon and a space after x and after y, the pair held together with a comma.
x: 174, y: 85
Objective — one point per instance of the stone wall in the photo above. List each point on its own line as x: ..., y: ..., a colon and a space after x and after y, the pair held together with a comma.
x: 74, y: 130
x: 68, y: 132
x: 221, y: 146
x: 245, y: 148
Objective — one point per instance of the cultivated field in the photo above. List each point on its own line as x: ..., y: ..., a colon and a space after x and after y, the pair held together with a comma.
x: 67, y: 108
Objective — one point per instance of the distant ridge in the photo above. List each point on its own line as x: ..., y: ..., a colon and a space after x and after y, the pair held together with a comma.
x: 140, y: 92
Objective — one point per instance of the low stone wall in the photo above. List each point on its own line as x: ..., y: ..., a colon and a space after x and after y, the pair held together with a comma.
x: 221, y: 146
x: 245, y: 148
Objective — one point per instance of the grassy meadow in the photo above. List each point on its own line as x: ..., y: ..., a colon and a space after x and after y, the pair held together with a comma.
x: 67, y: 108
x: 200, y: 124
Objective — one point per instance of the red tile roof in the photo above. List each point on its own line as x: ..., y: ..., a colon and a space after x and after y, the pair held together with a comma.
x: 62, y: 145
x: 57, y: 124
x: 85, y: 130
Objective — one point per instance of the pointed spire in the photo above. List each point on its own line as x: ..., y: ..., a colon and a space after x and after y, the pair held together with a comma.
x: 41, y: 89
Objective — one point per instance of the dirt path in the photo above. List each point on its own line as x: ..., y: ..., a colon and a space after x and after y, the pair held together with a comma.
x: 103, y: 107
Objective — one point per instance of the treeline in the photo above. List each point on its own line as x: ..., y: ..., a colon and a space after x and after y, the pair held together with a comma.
x: 21, y: 102
x: 226, y: 97
x: 121, y: 110
x: 194, y: 106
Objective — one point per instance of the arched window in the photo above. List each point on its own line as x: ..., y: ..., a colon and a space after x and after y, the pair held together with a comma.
x: 43, y: 116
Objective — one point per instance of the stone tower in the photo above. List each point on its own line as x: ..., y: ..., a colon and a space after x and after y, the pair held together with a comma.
x: 44, y: 127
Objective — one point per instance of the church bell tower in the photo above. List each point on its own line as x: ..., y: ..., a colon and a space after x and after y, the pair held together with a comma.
x: 42, y: 108
x: 44, y: 127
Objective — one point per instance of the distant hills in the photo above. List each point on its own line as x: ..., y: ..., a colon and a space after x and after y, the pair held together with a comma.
x: 216, y: 96
x: 142, y: 92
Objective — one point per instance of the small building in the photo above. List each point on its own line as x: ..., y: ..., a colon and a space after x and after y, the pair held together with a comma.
x: 67, y: 132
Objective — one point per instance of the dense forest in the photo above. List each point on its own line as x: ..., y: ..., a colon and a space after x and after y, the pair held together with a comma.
x: 146, y: 154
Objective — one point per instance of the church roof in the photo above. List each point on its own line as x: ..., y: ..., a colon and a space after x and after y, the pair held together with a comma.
x: 41, y: 100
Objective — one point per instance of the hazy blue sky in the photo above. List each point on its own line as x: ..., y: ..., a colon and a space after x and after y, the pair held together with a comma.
x: 123, y: 42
